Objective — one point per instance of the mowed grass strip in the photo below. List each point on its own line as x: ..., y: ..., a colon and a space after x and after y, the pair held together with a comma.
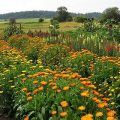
x: 33, y: 24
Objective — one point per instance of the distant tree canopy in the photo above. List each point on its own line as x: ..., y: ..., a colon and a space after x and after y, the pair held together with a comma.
x: 63, y: 15
x: 112, y: 14
x: 43, y: 14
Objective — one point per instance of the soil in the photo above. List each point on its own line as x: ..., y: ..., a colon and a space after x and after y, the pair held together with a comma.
x: 2, y: 117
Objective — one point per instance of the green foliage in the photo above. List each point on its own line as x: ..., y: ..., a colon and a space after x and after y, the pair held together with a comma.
x: 55, y: 56
x: 54, y: 26
x: 112, y: 14
x: 80, y: 19
x: 63, y: 14
x: 41, y: 20
x: 11, y: 30
x: 12, y: 21
x: 89, y: 26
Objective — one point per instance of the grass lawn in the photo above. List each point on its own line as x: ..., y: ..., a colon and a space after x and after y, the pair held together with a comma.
x: 33, y: 24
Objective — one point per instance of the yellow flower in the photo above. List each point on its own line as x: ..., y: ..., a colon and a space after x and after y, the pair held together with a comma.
x: 81, y: 108
x: 35, y: 81
x: 66, y: 88
x: 99, y: 114
x: 63, y: 114
x: 64, y: 104
x: 85, y: 94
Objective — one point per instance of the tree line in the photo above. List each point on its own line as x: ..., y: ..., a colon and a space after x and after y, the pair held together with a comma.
x: 42, y: 14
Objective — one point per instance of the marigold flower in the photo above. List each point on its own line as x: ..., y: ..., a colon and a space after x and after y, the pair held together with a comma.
x: 64, y: 104
x: 66, y: 88
x: 85, y: 94
x: 87, y: 117
x: 111, y: 113
x: 58, y: 90
x: 24, y: 89
x: 81, y: 108
x: 101, y: 105
x: 29, y: 98
x: 63, y: 114
x: 81, y: 88
x: 35, y: 91
x: 54, y: 87
x: 40, y: 88
x: 35, y: 81
x: 111, y: 118
x: 26, y: 118
x: 99, y: 114
x: 43, y: 83
x: 54, y: 112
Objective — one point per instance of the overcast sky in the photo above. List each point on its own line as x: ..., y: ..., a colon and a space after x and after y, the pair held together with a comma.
x: 81, y: 6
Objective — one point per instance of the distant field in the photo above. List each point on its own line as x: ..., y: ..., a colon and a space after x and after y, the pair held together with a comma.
x: 33, y: 24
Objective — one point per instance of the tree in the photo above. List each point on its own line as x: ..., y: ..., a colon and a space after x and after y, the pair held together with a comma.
x: 41, y: 19
x: 111, y: 14
x: 12, y: 21
x: 63, y: 14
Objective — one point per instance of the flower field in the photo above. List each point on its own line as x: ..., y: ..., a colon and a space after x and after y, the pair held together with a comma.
x: 71, y: 76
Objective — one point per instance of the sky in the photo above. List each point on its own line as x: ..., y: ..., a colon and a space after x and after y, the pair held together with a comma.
x: 77, y: 6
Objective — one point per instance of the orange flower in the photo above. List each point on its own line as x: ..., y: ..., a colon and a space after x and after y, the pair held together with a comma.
x: 40, y: 88
x: 99, y: 114
x: 28, y: 93
x: 64, y: 104
x: 111, y: 113
x: 101, y: 105
x: 92, y: 86
x: 81, y: 108
x: 54, y: 112
x: 35, y: 81
x: 26, y: 118
x: 66, y: 88
x: 24, y: 89
x: 43, y: 83
x: 85, y: 94
x: 35, y: 91
x: 54, y: 87
x: 58, y: 90
x: 87, y: 117
x: 81, y: 88
x: 63, y: 114
x: 111, y: 118
x: 29, y: 98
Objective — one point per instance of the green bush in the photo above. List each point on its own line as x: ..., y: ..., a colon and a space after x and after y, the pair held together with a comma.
x: 12, y: 30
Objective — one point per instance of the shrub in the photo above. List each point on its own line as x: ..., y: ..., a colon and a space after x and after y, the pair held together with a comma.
x: 41, y: 20
x: 12, y: 30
